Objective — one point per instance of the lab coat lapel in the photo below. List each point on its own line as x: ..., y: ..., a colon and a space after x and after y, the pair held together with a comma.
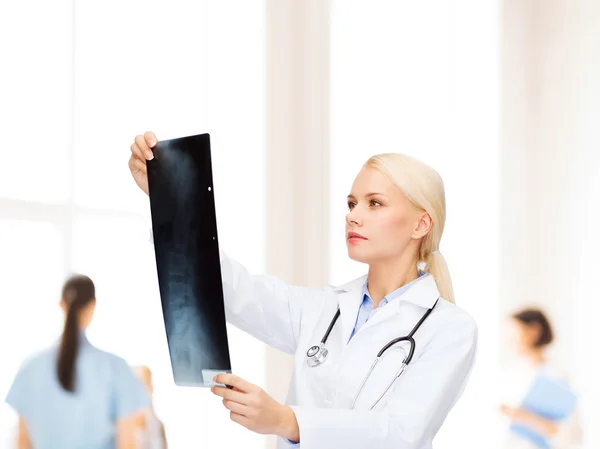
x: 350, y: 297
x: 423, y: 293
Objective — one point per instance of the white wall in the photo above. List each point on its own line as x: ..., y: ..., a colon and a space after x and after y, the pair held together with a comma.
x: 297, y: 155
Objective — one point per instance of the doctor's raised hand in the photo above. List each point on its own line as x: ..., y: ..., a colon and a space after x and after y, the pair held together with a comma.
x: 380, y: 361
x: 141, y: 151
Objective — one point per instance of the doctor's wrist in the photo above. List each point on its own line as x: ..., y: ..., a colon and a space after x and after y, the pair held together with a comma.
x: 288, y: 427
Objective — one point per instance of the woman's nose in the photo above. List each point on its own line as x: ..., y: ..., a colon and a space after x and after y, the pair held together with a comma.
x: 353, y: 218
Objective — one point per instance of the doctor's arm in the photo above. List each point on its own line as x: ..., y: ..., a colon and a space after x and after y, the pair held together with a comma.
x: 263, y: 306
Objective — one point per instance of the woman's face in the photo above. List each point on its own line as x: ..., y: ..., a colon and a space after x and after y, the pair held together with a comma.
x: 381, y: 221
x: 521, y: 336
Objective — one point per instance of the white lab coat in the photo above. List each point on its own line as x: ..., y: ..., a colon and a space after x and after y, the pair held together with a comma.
x: 294, y: 318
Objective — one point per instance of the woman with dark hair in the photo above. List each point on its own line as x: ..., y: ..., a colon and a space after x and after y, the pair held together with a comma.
x: 532, y: 335
x: 536, y: 330
x: 73, y: 395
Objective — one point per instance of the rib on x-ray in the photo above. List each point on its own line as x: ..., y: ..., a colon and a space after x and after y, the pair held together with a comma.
x: 187, y: 258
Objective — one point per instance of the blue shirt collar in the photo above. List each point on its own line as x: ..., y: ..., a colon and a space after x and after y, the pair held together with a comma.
x: 393, y: 295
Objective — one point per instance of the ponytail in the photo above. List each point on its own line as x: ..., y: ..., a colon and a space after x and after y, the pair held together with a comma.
x: 78, y: 292
x: 439, y: 270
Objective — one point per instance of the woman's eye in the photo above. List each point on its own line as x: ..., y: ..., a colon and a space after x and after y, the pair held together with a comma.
x: 351, y: 205
x: 375, y: 203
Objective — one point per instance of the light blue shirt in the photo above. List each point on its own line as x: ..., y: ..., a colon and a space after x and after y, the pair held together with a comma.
x: 106, y: 389
x: 367, y: 307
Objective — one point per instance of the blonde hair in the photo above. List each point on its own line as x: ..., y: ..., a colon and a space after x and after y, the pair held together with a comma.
x: 424, y: 187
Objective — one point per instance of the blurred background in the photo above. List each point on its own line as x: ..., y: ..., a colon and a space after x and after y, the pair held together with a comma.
x: 500, y: 96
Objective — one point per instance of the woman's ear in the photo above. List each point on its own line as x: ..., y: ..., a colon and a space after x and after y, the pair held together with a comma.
x: 424, y: 225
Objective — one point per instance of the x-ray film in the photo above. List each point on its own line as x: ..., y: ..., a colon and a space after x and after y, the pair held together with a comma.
x: 186, y: 245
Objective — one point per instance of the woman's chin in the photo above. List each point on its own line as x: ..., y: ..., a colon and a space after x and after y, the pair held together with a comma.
x: 358, y: 256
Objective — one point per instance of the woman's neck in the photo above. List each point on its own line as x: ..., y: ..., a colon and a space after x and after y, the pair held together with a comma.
x: 386, y: 276
x: 536, y: 356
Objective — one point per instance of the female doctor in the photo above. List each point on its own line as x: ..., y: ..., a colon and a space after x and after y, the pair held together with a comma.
x: 379, y: 361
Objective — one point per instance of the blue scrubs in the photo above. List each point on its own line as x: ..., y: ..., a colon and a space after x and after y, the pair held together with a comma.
x: 106, y: 390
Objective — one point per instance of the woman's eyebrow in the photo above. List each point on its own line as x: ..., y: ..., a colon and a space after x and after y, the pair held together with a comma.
x: 367, y: 195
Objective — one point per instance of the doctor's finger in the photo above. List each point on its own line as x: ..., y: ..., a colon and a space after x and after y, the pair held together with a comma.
x: 236, y: 407
x: 136, y: 164
x: 237, y: 382
x: 136, y: 152
x: 240, y: 419
x: 230, y: 395
x: 150, y: 139
x: 143, y: 146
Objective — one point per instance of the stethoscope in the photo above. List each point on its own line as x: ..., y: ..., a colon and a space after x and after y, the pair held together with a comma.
x: 316, y: 355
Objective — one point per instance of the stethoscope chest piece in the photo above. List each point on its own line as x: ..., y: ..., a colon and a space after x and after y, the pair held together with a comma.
x: 316, y: 355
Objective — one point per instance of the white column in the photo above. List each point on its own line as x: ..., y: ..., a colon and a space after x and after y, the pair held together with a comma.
x: 297, y: 153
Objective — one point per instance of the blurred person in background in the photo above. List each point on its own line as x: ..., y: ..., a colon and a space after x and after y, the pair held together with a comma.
x: 530, y: 336
x: 73, y: 395
x: 151, y: 431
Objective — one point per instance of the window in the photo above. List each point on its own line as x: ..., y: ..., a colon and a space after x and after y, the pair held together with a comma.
x: 35, y: 110
x: 32, y: 265
x: 102, y: 73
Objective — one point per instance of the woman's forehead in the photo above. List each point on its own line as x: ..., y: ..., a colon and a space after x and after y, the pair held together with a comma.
x: 369, y: 178
x: 371, y: 181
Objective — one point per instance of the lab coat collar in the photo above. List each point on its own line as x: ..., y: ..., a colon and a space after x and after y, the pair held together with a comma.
x: 424, y: 293
x: 355, y: 284
x: 350, y: 296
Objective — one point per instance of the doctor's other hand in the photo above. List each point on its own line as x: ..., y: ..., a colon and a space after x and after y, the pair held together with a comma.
x: 251, y: 407
x: 141, y: 151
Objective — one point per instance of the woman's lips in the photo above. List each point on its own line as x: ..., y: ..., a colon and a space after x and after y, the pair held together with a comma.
x: 354, y: 237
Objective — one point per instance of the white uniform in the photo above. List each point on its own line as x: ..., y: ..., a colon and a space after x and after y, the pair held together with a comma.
x: 293, y: 319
